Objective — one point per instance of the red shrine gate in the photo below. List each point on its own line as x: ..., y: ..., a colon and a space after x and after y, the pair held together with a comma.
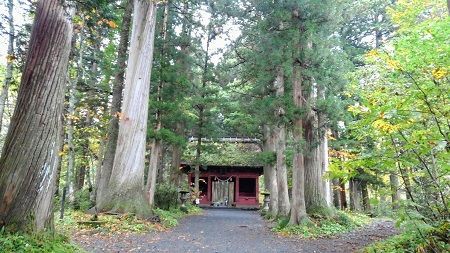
x: 228, y: 186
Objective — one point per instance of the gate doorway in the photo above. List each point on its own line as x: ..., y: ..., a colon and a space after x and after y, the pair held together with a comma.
x: 223, y: 192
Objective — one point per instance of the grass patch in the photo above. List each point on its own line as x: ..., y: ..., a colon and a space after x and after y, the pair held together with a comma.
x: 433, y: 239
x: 321, y: 226
x: 110, y: 223
x: 170, y: 218
x: 16, y: 242
x: 121, y: 223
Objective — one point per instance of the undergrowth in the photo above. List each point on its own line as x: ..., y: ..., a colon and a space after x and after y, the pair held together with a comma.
x: 104, y: 223
x: 429, y: 239
x: 170, y: 218
x: 163, y: 219
x: 23, y: 243
x: 339, y: 222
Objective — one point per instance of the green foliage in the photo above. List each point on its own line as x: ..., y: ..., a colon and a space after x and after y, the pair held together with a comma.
x: 431, y: 240
x: 166, y: 196
x: 403, y: 104
x: 82, y: 200
x: 323, y: 226
x: 23, y: 243
x: 170, y: 218
x: 106, y: 223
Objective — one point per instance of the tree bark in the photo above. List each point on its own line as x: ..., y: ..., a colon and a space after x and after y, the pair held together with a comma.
x: 127, y: 178
x: 298, y: 207
x: 9, y: 62
x: 365, y: 197
x: 156, y: 151
x: 395, y: 195
x: 201, y: 113
x: 161, y: 165
x: 323, y: 153
x: 355, y: 195
x: 336, y: 194
x: 155, y: 156
x: 323, y: 156
x: 175, y: 173
x: 314, y: 191
x: 280, y: 142
x: 270, y: 173
x: 177, y: 177
x: 342, y: 195
x: 30, y: 155
x: 104, y: 173
x: 448, y: 7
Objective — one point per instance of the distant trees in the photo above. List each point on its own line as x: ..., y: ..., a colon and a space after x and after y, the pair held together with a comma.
x: 30, y: 155
x: 400, y: 112
x: 293, y: 43
x: 9, y: 61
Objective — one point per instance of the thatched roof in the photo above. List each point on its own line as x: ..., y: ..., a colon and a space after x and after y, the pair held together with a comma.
x: 225, y: 154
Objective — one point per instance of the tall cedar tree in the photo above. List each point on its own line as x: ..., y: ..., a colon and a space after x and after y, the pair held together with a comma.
x: 126, y: 185
x: 30, y: 156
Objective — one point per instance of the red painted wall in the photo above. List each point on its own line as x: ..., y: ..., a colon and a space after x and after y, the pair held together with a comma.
x: 240, y: 201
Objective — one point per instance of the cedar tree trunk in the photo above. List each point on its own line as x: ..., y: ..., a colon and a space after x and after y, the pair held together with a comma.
x: 280, y: 145
x: 298, y: 207
x: 127, y: 177
x: 30, y: 155
x: 104, y: 174
x: 270, y: 173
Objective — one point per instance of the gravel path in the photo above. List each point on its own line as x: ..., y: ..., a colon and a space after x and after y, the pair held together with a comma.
x: 225, y: 230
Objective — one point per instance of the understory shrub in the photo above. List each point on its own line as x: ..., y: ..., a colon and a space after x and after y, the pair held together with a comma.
x: 166, y: 196
x: 432, y: 239
x: 103, y: 223
x: 169, y: 218
x: 82, y: 200
x: 322, y: 226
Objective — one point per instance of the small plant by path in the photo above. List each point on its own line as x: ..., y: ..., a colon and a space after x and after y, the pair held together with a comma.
x: 430, y: 239
x: 317, y: 227
x: 12, y: 243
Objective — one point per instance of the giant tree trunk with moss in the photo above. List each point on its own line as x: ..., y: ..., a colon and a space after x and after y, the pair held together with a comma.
x: 298, y: 207
x: 30, y: 155
x: 314, y: 190
x: 126, y: 184
x: 280, y: 149
x: 104, y: 173
x: 270, y: 173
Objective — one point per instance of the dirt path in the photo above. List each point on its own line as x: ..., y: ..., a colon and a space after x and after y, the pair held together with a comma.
x: 219, y: 230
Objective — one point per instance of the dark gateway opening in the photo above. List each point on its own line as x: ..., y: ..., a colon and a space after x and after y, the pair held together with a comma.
x: 247, y: 187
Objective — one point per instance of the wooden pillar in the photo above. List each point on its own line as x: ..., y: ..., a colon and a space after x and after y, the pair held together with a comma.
x: 237, y: 189
x: 257, y: 189
x: 209, y: 188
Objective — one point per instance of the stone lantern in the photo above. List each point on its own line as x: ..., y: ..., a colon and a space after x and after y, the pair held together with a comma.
x: 266, y: 200
x: 183, y: 198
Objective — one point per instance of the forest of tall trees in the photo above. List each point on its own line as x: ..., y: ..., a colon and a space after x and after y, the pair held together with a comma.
x: 103, y: 101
